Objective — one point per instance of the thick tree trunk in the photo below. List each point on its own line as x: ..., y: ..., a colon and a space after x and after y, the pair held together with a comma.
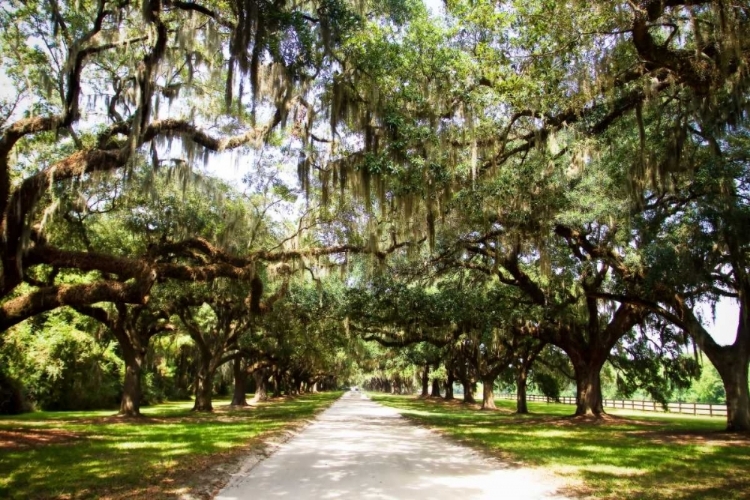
x: 240, y: 384
x: 488, y: 393
x: 130, y: 404
x: 731, y: 361
x: 204, y: 385
x: 435, y: 392
x: 521, y: 380
x: 314, y: 387
x: 588, y: 388
x: 735, y: 377
x: 732, y: 365
x: 449, y: 386
x: 426, y: 381
x: 182, y: 382
x: 261, y: 386
x: 468, y: 392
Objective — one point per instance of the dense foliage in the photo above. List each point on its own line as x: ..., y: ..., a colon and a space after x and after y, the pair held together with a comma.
x: 496, y: 193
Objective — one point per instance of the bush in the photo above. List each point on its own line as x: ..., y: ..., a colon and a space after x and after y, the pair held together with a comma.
x: 547, y: 384
x: 60, y: 365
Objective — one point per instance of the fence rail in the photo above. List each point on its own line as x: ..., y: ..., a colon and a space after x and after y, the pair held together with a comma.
x: 707, y: 410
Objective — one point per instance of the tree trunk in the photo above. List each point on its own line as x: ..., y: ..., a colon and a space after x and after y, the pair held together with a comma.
x: 449, y: 386
x: 731, y: 361
x: 468, y: 392
x: 314, y: 387
x: 261, y: 385
x: 735, y: 378
x: 521, y: 380
x: 732, y: 365
x: 488, y: 393
x: 588, y: 388
x: 276, y: 386
x: 204, y: 385
x: 11, y: 395
x: 130, y: 404
x: 426, y: 381
x: 435, y: 392
x: 240, y: 384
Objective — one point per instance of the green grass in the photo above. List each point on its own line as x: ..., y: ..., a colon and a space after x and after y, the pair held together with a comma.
x: 631, y: 455
x: 95, y: 455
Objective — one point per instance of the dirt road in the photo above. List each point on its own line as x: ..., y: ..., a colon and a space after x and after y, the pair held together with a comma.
x: 360, y: 449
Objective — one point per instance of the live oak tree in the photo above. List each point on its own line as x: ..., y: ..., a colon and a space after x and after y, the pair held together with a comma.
x: 691, y: 246
x: 133, y: 326
x: 90, y: 81
x: 559, y: 87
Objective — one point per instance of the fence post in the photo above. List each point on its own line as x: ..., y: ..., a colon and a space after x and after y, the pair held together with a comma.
x: 695, y: 408
x: 710, y: 410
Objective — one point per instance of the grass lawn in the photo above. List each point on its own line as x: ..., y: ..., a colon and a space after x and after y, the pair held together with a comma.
x: 96, y: 455
x: 628, y: 455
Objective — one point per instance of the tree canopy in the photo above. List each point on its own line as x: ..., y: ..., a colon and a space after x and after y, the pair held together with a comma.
x: 500, y: 192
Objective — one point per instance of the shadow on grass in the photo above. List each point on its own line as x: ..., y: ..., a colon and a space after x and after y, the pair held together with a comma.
x: 106, y: 456
x: 616, y: 457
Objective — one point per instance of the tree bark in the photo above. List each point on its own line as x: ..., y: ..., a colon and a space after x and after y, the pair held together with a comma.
x: 240, y: 384
x: 468, y: 392
x: 521, y: 381
x: 426, y: 381
x: 488, y: 393
x: 204, y: 382
x: 130, y: 404
x: 277, y: 384
x: 731, y: 361
x: 449, y: 386
x: 732, y: 364
x: 588, y: 388
x: 261, y: 385
x: 734, y: 375
x: 435, y: 392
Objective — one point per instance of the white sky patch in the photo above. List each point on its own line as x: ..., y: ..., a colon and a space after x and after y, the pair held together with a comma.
x: 436, y: 8
x: 6, y: 86
x: 723, y: 325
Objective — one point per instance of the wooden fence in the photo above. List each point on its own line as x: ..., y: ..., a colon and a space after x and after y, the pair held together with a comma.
x: 708, y: 410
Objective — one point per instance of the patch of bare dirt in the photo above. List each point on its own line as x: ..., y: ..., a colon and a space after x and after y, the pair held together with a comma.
x: 15, y: 439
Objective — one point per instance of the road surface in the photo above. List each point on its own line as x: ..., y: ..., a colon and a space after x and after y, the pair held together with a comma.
x: 358, y: 449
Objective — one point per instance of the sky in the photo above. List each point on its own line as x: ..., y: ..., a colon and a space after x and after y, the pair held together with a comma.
x: 722, y: 327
